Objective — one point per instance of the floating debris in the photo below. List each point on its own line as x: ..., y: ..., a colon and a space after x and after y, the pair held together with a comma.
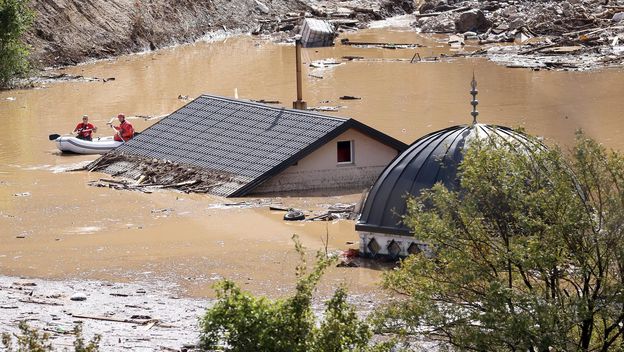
x: 346, y: 41
x: 326, y: 63
x: 324, y: 108
x: 78, y: 296
x: 294, y: 215
x: 263, y: 101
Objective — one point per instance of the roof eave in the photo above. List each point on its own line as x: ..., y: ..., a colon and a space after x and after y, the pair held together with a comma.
x: 378, y: 135
x: 383, y: 230
x: 350, y: 123
x: 241, y: 192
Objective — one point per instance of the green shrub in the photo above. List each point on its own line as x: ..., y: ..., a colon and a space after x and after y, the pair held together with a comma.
x: 15, y: 19
x: 30, y: 340
x: 240, y: 321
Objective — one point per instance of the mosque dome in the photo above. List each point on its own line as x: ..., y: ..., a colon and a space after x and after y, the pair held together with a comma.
x: 431, y: 159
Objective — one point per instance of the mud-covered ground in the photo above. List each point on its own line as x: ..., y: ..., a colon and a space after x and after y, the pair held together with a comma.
x: 136, y: 317
x: 146, y: 316
x: 70, y: 31
x: 567, y: 34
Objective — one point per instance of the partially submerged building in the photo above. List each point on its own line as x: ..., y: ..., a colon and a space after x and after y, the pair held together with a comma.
x: 236, y: 148
x: 431, y: 159
x: 317, y: 33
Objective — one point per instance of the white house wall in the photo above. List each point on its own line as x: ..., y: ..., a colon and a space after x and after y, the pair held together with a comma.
x: 320, y: 169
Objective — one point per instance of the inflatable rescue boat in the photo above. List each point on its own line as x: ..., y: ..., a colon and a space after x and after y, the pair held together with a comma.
x: 99, y: 145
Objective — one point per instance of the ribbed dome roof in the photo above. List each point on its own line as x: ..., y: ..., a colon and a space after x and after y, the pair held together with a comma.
x: 431, y: 159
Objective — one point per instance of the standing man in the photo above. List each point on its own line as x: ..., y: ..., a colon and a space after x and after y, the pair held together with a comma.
x: 125, y: 131
x: 85, y: 129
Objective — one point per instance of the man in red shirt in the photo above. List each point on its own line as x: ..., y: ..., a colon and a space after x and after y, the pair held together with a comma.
x: 125, y: 131
x: 85, y: 129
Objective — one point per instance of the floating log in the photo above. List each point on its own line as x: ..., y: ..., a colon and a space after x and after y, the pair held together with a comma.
x: 263, y: 101
x: 386, y: 45
x: 40, y: 302
x: 116, y: 320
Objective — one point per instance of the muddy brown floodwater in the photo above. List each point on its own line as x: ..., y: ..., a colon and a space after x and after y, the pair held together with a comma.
x: 53, y: 225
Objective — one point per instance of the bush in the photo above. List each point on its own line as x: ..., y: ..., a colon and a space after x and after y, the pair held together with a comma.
x: 15, y: 19
x: 30, y: 340
x: 527, y: 256
x: 241, y: 322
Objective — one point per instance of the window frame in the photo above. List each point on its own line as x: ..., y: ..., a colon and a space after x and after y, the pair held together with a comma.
x: 351, y: 152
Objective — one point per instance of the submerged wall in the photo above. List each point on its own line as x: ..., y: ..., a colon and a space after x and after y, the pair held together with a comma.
x: 321, y: 171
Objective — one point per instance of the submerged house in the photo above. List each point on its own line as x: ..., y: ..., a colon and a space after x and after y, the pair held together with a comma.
x: 240, y: 148
x: 431, y: 159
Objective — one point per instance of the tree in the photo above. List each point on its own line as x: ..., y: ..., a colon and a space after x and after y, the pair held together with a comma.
x: 528, y: 255
x: 15, y: 18
x: 240, y: 321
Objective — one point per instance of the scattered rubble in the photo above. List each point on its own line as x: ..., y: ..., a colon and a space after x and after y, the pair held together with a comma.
x: 146, y: 175
x: 568, y: 34
x: 332, y: 212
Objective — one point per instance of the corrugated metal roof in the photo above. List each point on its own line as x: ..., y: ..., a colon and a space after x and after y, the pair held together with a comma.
x: 248, y: 140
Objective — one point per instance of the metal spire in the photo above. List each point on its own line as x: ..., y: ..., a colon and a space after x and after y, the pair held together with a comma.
x: 474, y: 101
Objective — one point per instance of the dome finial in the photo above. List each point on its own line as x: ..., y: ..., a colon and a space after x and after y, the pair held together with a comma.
x: 474, y: 102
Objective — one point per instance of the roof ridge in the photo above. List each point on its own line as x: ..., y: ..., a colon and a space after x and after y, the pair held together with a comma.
x: 266, y: 106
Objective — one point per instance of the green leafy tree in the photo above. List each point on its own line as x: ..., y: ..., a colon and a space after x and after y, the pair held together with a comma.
x: 527, y: 256
x: 341, y: 330
x: 240, y: 321
x: 15, y: 19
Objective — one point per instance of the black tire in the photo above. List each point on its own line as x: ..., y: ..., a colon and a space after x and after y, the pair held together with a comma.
x: 294, y: 215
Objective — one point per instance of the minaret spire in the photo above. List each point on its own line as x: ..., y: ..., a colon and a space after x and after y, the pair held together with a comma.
x: 474, y: 101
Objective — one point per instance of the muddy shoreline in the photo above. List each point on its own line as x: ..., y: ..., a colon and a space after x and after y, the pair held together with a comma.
x: 559, y: 35
x: 138, y: 316
x: 67, y: 32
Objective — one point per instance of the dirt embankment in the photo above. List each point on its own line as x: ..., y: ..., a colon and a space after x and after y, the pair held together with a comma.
x: 71, y: 31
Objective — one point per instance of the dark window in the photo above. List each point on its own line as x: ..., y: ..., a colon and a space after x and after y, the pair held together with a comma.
x: 344, y: 152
